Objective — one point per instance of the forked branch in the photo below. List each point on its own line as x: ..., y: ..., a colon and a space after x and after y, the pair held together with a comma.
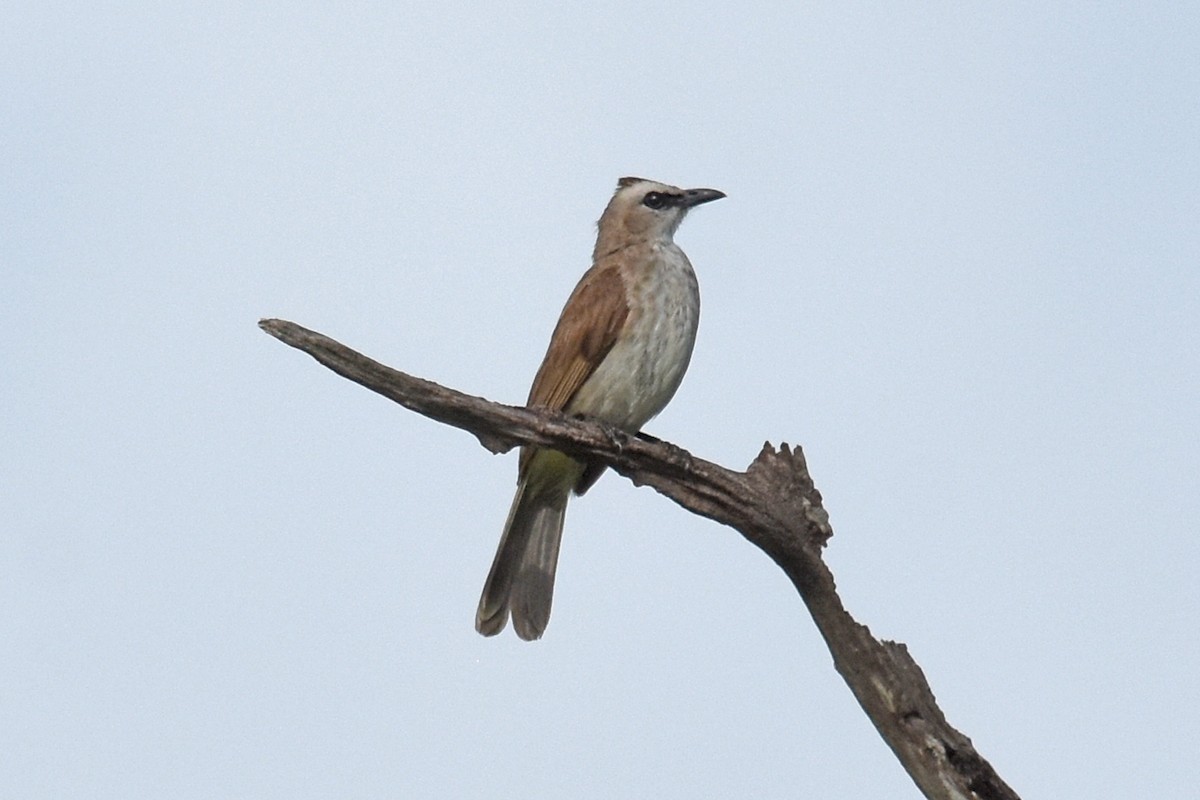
x: 773, y: 504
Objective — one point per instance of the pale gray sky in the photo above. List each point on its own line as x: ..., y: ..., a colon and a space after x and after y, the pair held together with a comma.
x: 959, y: 263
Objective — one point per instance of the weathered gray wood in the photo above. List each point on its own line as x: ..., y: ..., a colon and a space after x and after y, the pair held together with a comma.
x: 773, y: 504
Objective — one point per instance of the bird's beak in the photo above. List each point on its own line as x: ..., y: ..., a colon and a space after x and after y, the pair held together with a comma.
x: 694, y: 197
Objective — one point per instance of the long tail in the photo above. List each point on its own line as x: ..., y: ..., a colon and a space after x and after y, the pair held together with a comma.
x: 522, y: 576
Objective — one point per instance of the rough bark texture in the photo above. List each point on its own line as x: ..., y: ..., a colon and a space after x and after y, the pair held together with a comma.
x: 773, y: 504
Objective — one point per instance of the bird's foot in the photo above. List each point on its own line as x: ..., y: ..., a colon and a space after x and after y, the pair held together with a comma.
x: 617, y: 437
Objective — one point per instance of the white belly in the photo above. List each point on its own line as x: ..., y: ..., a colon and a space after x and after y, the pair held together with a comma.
x: 640, y: 374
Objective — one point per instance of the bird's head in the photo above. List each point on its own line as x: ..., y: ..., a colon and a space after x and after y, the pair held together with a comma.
x: 642, y: 210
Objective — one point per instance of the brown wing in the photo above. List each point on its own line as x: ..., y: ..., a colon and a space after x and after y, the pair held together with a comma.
x: 586, y: 331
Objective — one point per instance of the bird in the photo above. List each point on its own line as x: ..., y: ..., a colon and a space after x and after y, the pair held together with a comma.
x: 617, y: 355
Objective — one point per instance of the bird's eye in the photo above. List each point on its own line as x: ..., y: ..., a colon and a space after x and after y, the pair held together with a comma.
x: 654, y: 200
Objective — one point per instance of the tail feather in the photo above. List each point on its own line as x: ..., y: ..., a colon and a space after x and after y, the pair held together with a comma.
x: 521, y: 580
x: 533, y: 591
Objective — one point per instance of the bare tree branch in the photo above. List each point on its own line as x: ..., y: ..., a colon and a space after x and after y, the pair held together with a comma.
x: 773, y: 504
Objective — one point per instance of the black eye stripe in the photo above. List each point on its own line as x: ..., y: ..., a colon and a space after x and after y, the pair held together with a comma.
x: 657, y: 200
